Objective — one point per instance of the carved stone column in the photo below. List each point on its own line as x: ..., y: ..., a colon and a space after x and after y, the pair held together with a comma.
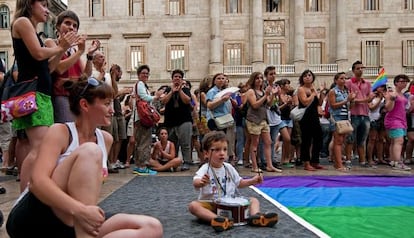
x: 341, y: 36
x: 299, y: 37
x: 215, y: 65
x: 257, y: 35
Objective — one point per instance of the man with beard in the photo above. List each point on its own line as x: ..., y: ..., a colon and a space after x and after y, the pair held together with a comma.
x: 118, y: 126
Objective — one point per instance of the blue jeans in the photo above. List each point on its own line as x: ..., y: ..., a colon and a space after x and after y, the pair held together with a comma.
x: 326, y: 138
x: 361, y: 126
x: 274, y: 130
x: 240, y: 141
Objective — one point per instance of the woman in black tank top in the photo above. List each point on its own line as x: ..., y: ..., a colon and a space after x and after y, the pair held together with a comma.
x: 310, y: 125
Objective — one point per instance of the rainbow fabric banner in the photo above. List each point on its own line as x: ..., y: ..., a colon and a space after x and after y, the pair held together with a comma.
x: 346, y: 206
x: 380, y: 80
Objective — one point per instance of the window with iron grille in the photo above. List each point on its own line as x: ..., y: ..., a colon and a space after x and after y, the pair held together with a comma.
x: 371, y: 5
x: 176, y: 7
x: 273, y: 6
x: 136, y: 57
x: 178, y: 57
x: 234, y: 54
x: 96, y: 8
x: 409, y: 4
x: 313, y: 5
x: 314, y: 53
x: 233, y: 6
x: 273, y: 53
x: 4, y: 17
x: 136, y: 7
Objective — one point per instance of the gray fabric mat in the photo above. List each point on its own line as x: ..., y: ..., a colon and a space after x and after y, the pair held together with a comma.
x: 166, y: 198
x: 4, y: 178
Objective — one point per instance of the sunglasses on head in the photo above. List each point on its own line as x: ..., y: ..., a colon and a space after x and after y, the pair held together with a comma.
x: 92, y: 82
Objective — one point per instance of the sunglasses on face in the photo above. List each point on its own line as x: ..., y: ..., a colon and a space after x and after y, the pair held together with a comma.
x: 91, y: 82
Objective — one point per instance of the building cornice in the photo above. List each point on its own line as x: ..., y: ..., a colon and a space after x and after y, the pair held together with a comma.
x: 372, y: 30
x: 99, y: 36
x: 176, y: 34
x: 136, y: 35
x: 406, y: 29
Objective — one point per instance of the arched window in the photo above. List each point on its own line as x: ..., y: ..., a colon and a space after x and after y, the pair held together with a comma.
x: 4, y: 17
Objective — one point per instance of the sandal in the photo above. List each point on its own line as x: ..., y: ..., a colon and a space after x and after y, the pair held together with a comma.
x: 273, y: 170
x: 343, y: 169
x: 256, y: 171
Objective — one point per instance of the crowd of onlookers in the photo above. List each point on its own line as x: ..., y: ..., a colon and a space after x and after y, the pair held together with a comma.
x: 79, y: 101
x: 262, y: 134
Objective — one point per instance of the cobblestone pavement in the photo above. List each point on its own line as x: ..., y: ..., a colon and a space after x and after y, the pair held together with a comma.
x: 115, y: 181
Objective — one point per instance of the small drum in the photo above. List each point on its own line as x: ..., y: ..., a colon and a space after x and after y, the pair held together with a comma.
x: 236, y: 208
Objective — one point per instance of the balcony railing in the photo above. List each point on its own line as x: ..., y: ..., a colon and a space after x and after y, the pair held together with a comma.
x: 371, y: 71
x: 323, y: 68
x: 285, y: 69
x: 238, y: 69
x: 409, y: 70
x: 247, y: 69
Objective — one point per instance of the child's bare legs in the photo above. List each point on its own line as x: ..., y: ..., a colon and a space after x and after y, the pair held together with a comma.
x: 197, y: 209
x: 254, y: 206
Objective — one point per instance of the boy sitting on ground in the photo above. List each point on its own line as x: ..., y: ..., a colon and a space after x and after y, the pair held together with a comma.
x: 217, y: 179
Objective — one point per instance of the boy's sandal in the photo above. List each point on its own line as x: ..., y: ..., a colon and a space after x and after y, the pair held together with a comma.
x: 263, y: 220
x: 222, y: 223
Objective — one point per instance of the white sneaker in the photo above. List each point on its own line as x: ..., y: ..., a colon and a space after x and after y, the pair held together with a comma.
x: 119, y: 165
x: 400, y: 166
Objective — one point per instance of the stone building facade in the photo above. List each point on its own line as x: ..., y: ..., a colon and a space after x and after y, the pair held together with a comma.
x: 238, y: 37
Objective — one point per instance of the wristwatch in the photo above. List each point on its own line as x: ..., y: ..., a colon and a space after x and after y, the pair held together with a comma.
x: 89, y: 57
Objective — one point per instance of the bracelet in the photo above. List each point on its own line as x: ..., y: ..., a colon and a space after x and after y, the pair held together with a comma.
x: 89, y: 57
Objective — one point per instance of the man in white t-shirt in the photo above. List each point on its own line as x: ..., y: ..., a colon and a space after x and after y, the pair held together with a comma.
x: 99, y: 68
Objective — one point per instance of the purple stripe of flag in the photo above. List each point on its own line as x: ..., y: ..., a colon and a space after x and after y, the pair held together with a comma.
x: 337, y: 181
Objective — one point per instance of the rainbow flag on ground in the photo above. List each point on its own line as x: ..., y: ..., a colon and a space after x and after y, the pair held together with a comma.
x: 346, y: 206
x: 380, y: 80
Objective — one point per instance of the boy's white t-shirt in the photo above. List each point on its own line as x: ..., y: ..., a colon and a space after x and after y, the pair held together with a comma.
x: 227, y: 175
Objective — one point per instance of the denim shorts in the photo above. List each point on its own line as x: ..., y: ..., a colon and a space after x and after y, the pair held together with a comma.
x: 396, y: 133
x: 361, y: 126
x: 289, y: 123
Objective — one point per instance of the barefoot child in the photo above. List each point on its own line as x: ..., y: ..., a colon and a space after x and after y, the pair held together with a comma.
x: 218, y: 179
